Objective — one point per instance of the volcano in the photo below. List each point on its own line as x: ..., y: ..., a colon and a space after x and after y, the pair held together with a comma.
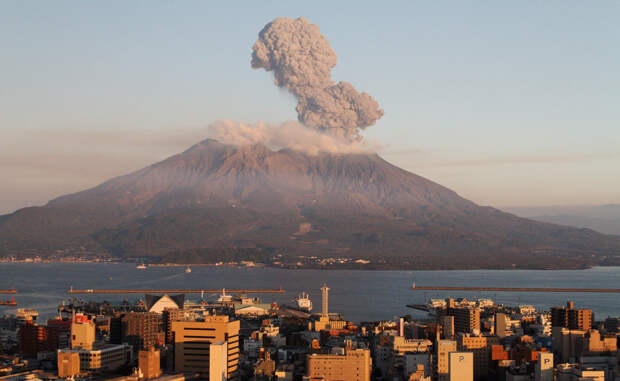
x: 223, y: 197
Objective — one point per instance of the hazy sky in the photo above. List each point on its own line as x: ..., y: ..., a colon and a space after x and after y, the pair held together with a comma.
x: 507, y: 103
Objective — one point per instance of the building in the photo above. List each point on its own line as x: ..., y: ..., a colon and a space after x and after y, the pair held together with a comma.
x: 82, y: 333
x: 193, y: 339
x: 461, y: 366
x: 567, y: 343
x: 444, y: 348
x: 347, y: 364
x: 32, y: 339
x: 148, y: 363
x: 480, y: 346
x: 573, y: 372
x: 68, y: 364
x: 571, y: 318
x: 170, y: 315
x: 594, y: 343
x: 501, y: 325
x: 59, y: 330
x: 218, y: 361
x: 325, y: 321
x: 142, y: 330
x: 544, y: 367
x: 466, y: 319
x: 108, y: 358
x: 447, y: 326
x: 158, y: 304
x: 26, y: 315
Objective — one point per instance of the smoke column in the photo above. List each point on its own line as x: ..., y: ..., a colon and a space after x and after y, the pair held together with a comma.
x: 302, y: 60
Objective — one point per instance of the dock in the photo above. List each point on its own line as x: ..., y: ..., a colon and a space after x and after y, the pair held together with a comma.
x: 11, y: 291
x: 516, y: 289
x: 176, y: 291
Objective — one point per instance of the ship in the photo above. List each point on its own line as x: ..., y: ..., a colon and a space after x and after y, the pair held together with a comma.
x: 303, y: 302
x: 188, y: 270
x: 141, y: 266
x: 10, y: 303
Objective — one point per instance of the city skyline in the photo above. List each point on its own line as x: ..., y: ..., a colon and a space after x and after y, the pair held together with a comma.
x: 506, y: 105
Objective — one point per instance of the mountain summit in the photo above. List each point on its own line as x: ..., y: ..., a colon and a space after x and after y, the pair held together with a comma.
x: 218, y: 196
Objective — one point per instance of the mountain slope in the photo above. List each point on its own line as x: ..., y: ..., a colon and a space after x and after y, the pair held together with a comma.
x: 219, y: 196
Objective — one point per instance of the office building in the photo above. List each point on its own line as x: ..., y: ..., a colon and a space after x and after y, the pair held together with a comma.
x: 192, y: 341
x: 501, y: 325
x: 447, y: 326
x: 442, y: 357
x: 82, y: 333
x: 544, y: 367
x: 142, y: 330
x: 148, y: 363
x: 170, y: 315
x: 32, y: 339
x: 571, y: 318
x: 108, y: 358
x: 461, y: 366
x: 68, y: 364
x: 345, y: 364
x: 480, y: 346
x: 466, y: 319
x: 218, y: 361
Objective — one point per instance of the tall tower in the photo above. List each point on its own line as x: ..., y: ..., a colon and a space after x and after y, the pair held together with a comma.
x: 325, y: 302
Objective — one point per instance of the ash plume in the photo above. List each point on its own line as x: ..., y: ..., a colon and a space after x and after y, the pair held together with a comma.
x: 291, y: 135
x: 301, y: 60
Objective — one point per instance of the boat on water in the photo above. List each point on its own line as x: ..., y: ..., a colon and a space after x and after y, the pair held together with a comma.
x: 303, y: 302
x: 10, y: 303
x: 188, y: 270
x: 141, y: 266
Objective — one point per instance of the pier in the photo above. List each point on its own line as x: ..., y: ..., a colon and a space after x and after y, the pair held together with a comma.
x: 177, y: 291
x: 516, y: 289
x: 12, y: 291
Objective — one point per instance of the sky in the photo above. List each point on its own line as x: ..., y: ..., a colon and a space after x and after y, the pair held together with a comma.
x: 506, y: 103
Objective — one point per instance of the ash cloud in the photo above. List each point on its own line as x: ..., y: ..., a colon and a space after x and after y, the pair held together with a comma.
x: 291, y: 135
x: 301, y: 60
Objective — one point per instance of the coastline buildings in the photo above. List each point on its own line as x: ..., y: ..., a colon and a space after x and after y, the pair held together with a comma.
x: 342, y: 364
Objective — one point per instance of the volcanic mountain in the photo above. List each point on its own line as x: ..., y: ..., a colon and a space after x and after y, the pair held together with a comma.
x: 223, y: 197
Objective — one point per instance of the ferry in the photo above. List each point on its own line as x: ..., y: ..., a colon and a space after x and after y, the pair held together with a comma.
x: 303, y: 302
x: 141, y: 266
x: 10, y: 303
x: 188, y: 270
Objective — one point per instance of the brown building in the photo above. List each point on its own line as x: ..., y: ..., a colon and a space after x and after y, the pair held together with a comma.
x: 32, y: 339
x: 481, y: 346
x: 466, y: 319
x: 571, y: 318
x: 192, y: 341
x: 170, y: 315
x: 142, y: 330
x: 82, y: 333
x: 68, y: 364
x: 148, y: 363
x: 351, y: 365
x: 442, y: 358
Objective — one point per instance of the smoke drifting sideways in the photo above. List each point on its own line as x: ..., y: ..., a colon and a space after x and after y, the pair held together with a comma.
x: 291, y: 135
x: 301, y: 61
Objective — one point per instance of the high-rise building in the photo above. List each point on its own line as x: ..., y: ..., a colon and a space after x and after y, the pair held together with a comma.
x: 461, y: 366
x: 170, y: 315
x: 192, y: 341
x: 349, y: 364
x: 466, y: 319
x: 32, y: 339
x: 59, y: 330
x: 68, y: 364
x: 544, y: 367
x: 447, y: 326
x: 443, y: 350
x: 501, y: 322
x: 148, y: 363
x: 481, y: 347
x: 142, y: 330
x: 571, y: 318
x: 82, y: 333
x: 218, y: 361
